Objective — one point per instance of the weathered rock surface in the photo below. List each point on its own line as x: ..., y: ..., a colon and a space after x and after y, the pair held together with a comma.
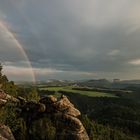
x: 61, y: 111
x: 65, y: 106
x: 67, y: 117
x: 5, y: 133
x: 5, y: 97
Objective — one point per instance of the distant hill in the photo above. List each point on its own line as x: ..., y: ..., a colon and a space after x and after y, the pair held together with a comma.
x: 95, y: 83
x: 131, y: 81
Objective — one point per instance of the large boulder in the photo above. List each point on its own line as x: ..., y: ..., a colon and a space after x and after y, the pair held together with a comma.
x: 6, y: 97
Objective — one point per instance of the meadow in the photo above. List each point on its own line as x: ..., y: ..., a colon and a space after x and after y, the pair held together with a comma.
x: 70, y: 89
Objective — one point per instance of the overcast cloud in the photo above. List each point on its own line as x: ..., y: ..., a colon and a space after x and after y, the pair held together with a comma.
x: 68, y: 39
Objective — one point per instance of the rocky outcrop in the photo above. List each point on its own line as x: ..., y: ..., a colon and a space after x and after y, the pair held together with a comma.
x: 5, y: 97
x: 66, y: 117
x: 62, y: 113
x: 5, y: 133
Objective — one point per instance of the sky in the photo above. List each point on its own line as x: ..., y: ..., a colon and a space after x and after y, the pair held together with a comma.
x: 68, y: 39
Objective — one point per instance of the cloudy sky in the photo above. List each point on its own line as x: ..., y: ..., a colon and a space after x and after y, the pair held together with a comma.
x: 70, y: 39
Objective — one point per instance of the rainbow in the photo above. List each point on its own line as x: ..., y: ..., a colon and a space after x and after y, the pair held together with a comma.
x: 4, y: 26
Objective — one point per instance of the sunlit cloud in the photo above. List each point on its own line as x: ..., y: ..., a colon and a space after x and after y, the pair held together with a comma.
x: 25, y: 73
x: 135, y: 62
x: 19, y: 73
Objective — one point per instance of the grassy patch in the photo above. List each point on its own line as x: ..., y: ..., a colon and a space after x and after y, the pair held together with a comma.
x: 87, y: 93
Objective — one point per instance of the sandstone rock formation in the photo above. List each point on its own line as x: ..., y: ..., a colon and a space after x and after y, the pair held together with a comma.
x: 5, y: 97
x: 62, y: 113
x: 67, y: 117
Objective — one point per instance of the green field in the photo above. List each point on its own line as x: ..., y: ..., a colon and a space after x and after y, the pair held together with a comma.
x: 87, y: 93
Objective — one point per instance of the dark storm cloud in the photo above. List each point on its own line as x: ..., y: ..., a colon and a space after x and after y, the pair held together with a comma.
x: 78, y: 36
